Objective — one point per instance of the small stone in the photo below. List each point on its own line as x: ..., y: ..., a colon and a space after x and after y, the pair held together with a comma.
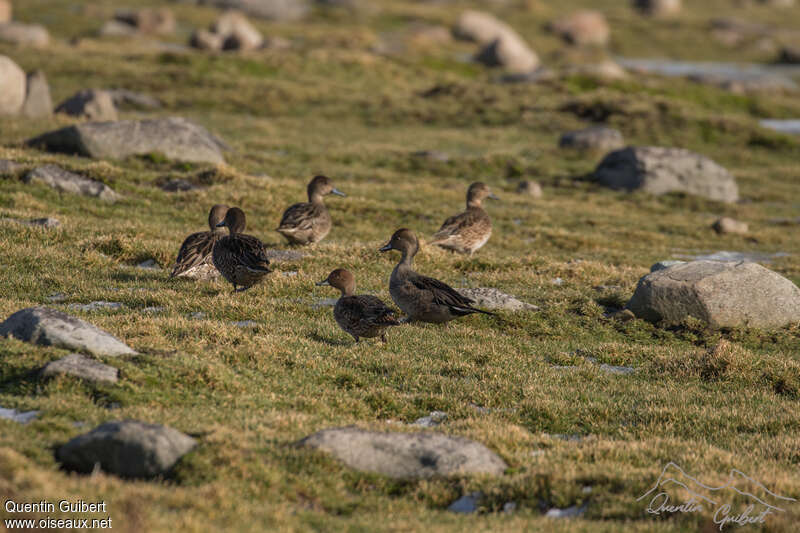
x: 82, y: 367
x: 46, y: 223
x: 57, y: 297
x: 89, y: 104
x: 617, y: 369
x: 433, y: 419
x: 509, y: 52
x: 480, y: 27
x: 237, y: 33
x: 125, y: 99
x: 509, y: 507
x: 34, y: 35
x: 149, y: 264
x: 557, y: 281
x: 624, y: 315
x: 18, y: 416
x: 728, y: 225
x: 178, y: 185
x: 154, y: 309
x: 115, y: 28
x: 38, y: 102
x: 245, y: 324
x: 569, y: 512
x: 599, y: 138
x: 658, y: 8
x: 206, y: 40
x: 530, y: 188
x: 69, y: 182
x: 95, y: 306
x: 661, y: 265
x: 197, y: 315
x: 466, y: 504
x: 490, y: 298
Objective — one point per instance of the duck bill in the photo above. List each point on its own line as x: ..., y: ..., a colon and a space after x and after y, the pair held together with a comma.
x: 386, y: 247
x: 337, y: 192
x: 323, y: 282
x: 493, y: 196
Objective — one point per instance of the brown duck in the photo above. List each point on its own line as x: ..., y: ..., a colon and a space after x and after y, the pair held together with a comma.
x: 194, y: 258
x: 309, y: 222
x: 466, y: 232
x: 240, y: 258
x: 360, y: 315
x: 420, y: 297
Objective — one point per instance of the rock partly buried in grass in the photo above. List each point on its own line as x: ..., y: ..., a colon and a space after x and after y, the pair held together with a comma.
x: 96, y: 306
x: 38, y: 102
x: 34, y: 35
x: 280, y: 10
x: 490, y: 298
x: 406, y: 455
x: 599, y: 138
x: 730, y: 225
x: 175, y: 138
x: 663, y: 170
x: 49, y: 327
x: 466, y: 504
x: 585, y: 27
x: 658, y: 8
x: 89, y: 104
x: 153, y: 21
x: 129, y: 449
x: 66, y: 181
x: 237, y: 33
x: 480, y: 27
x: 530, y: 188
x: 18, y: 416
x: 718, y: 293
x: 82, y: 367
x: 125, y: 99
x: 9, y: 168
x: 284, y: 256
x: 661, y: 265
x: 509, y: 52
x: 46, y: 223
x: 12, y: 87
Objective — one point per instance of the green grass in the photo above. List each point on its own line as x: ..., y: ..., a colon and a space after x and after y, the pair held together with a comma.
x: 708, y: 400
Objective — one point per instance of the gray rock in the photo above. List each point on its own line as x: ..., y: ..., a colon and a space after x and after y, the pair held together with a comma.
x: 129, y: 449
x: 65, y: 181
x: 12, y: 87
x: 490, y: 298
x: 466, y: 504
x: 433, y: 419
x: 280, y: 10
x: 57, y: 297
x: 197, y: 315
x: 82, y: 367
x: 718, y: 293
x: 245, y: 324
x: 509, y: 52
x: 570, y: 512
x: 46, y: 223
x: 9, y: 168
x: 34, y: 35
x: 96, y: 306
x: 89, y: 104
x: 154, y: 309
x: 729, y: 225
x: 178, y: 185
x: 18, y: 416
x: 48, y: 327
x: 406, y: 455
x: 661, y: 265
x: 125, y: 99
x: 175, y: 138
x: 593, y: 138
x: 736, y: 257
x: 611, y: 369
x: 149, y: 264
x: 531, y: 188
x: 662, y: 170
x: 38, y: 102
x: 284, y: 256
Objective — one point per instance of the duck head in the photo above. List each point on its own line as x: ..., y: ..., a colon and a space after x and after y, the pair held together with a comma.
x: 477, y: 192
x: 404, y: 241
x: 216, y: 215
x: 321, y: 186
x: 234, y: 220
x: 341, y: 279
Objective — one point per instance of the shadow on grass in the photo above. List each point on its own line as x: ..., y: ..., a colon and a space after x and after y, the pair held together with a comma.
x: 330, y: 342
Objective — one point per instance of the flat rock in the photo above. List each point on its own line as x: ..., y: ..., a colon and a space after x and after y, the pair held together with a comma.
x: 82, y: 367
x: 66, y: 181
x: 729, y: 225
x: 46, y: 223
x: 129, y: 449
x: 12, y: 87
x: 600, y: 138
x: 718, y: 293
x: 611, y: 369
x: 38, y: 102
x: 490, y: 298
x: 34, y: 35
x: 89, y: 104
x: 245, y: 324
x: 175, y: 138
x: 659, y: 171
x: 406, y: 455
x: 49, y: 327
x: 149, y: 264
x: 96, y: 306
x: 18, y: 416
x: 569, y: 512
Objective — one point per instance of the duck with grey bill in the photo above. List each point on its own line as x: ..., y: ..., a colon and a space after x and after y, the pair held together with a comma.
x: 194, y: 258
x: 241, y: 259
x: 420, y: 297
x: 309, y: 222
x: 466, y: 232
x: 360, y: 315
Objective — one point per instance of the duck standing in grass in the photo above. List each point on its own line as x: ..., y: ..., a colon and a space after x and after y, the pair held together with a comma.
x: 309, y: 222
x: 194, y: 258
x: 360, y: 315
x: 466, y: 232
x: 240, y: 258
x: 420, y: 297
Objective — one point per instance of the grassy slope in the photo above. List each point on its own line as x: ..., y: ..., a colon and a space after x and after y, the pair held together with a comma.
x: 331, y: 106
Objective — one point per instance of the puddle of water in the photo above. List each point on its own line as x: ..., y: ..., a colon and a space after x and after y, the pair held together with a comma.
x: 791, y: 126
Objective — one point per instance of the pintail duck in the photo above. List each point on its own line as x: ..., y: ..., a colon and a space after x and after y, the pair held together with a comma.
x: 240, y: 258
x: 466, y: 232
x: 309, y: 222
x: 420, y: 297
x: 194, y: 258
x: 360, y: 315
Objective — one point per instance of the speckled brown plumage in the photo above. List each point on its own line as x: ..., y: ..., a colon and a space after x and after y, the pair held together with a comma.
x: 420, y: 297
x: 241, y: 259
x: 360, y: 315
x: 466, y: 232
x: 194, y: 258
x: 309, y: 222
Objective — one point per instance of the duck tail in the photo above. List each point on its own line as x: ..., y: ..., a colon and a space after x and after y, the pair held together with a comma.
x: 261, y: 267
x: 468, y: 310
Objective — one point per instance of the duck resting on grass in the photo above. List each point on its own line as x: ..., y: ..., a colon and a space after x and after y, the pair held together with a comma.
x: 466, y: 232
x: 309, y: 222
x: 420, y: 297
x: 360, y: 315
x: 194, y: 258
x: 240, y: 258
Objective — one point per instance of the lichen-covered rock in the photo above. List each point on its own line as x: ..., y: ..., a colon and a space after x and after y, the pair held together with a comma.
x: 66, y: 181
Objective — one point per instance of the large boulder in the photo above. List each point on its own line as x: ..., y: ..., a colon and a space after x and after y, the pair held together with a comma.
x: 662, y: 170
x: 128, y: 449
x: 584, y: 27
x: 49, y: 327
x: 38, y: 102
x: 34, y: 35
x: 509, y: 52
x: 406, y: 455
x: 722, y: 294
x: 12, y: 87
x: 175, y: 138
x: 89, y: 104
x: 66, y: 181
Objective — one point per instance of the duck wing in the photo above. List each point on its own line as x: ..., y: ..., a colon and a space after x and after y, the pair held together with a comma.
x: 444, y: 294
x: 194, y: 251
x: 457, y: 224
x: 372, y: 309
x: 298, y: 217
x: 249, y: 252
